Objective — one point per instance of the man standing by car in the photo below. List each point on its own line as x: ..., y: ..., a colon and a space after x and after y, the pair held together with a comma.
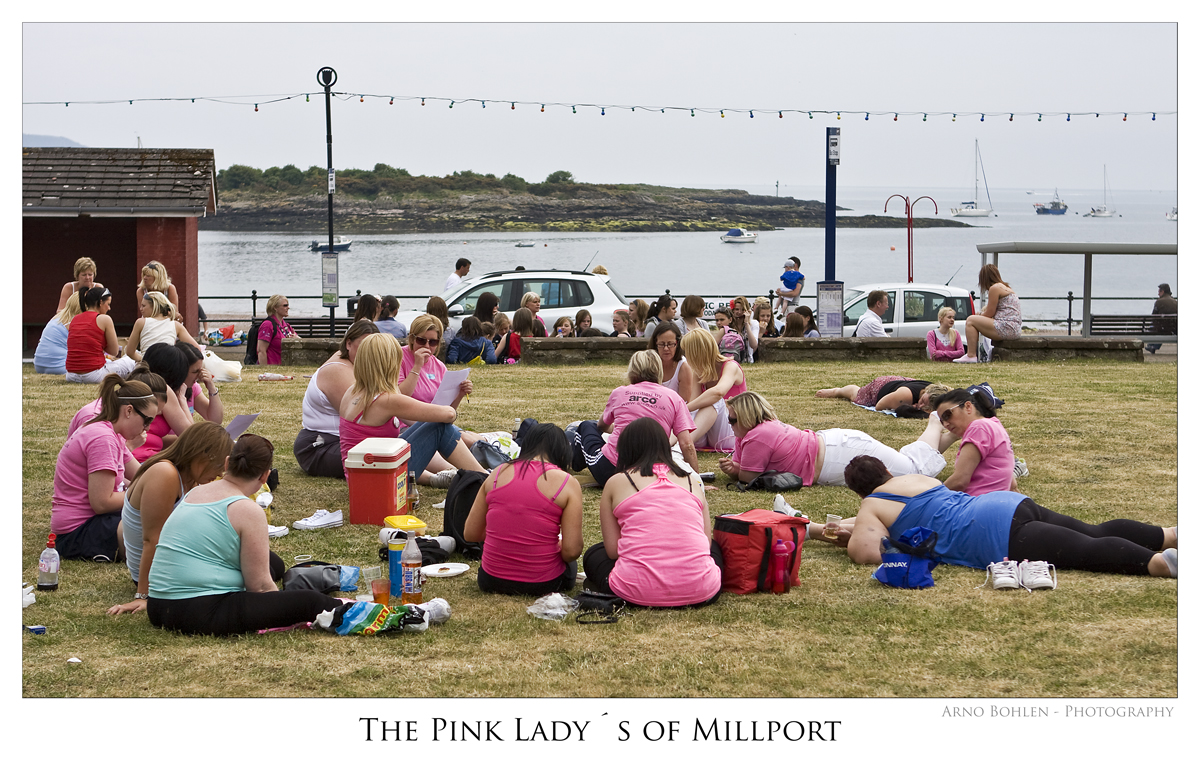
x: 870, y: 324
x: 460, y: 271
x: 1166, y: 304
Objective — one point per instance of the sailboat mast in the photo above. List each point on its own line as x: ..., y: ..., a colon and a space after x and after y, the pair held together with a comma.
x: 977, y: 172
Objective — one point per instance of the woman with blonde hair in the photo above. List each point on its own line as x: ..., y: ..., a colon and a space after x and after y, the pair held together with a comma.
x: 89, y: 474
x: 1001, y: 317
x: 718, y: 378
x: 50, y: 356
x: 691, y: 314
x: 158, y: 324
x: 85, y: 279
x: 765, y: 444
x: 640, y: 311
x: 644, y: 396
x: 374, y: 407
x: 155, y: 279
x: 196, y: 458
x: 272, y: 332
x: 533, y: 302
x: 944, y: 343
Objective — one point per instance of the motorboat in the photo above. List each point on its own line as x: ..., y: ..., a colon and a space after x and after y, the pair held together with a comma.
x: 1174, y: 214
x: 1103, y: 210
x: 972, y: 209
x: 1054, y: 207
x: 524, y: 244
x: 738, y: 236
x: 340, y: 244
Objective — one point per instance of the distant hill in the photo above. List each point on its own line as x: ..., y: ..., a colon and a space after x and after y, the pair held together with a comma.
x: 46, y: 140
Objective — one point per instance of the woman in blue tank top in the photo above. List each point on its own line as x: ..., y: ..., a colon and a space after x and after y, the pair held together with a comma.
x: 976, y: 531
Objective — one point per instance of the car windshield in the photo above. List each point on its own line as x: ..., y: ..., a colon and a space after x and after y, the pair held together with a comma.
x: 851, y: 293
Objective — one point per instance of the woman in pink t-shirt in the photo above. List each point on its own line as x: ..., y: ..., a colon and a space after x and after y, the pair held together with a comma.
x: 89, y: 475
x: 644, y: 396
x: 657, y: 548
x: 985, y: 458
x: 764, y: 444
x: 529, y: 516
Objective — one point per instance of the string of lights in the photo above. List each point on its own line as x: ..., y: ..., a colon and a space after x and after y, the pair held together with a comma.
x: 274, y: 98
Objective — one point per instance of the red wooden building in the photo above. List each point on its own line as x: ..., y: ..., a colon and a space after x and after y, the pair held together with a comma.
x: 120, y: 207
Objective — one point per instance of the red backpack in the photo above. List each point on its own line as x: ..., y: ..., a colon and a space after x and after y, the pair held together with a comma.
x: 746, y: 539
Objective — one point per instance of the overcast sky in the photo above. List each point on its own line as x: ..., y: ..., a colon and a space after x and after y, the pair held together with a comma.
x: 881, y: 68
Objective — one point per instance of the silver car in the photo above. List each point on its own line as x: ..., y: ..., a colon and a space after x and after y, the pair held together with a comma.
x: 563, y: 293
x: 921, y: 303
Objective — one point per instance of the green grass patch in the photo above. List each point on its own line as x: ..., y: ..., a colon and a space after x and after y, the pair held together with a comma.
x: 1099, y: 438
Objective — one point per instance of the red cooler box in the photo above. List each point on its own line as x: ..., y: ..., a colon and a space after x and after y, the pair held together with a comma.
x: 377, y: 472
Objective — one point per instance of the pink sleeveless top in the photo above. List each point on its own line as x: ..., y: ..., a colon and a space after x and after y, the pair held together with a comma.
x: 738, y: 387
x: 663, y: 555
x: 351, y: 433
x: 522, y: 543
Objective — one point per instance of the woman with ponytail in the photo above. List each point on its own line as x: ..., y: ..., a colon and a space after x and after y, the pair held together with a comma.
x: 985, y: 458
x: 91, y: 469
x: 90, y: 336
x: 211, y: 573
x: 142, y: 446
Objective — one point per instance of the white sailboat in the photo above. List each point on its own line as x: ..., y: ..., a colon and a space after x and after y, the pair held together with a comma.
x: 1102, y: 211
x: 972, y: 209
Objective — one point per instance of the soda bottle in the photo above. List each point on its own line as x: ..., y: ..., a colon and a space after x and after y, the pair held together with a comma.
x: 781, y: 581
x: 48, y: 567
x: 410, y: 564
x: 412, y: 494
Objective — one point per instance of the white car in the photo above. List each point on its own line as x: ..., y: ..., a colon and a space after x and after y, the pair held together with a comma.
x: 921, y: 303
x: 563, y: 293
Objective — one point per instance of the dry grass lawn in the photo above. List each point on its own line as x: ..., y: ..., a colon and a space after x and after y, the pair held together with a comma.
x: 1100, y: 440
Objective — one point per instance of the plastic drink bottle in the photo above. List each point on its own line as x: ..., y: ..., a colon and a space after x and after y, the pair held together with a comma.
x: 781, y: 581
x: 516, y: 428
x: 410, y: 564
x: 48, y: 567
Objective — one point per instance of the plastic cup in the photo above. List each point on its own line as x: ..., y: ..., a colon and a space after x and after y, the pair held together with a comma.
x: 372, y: 572
x: 831, y: 525
x: 380, y: 591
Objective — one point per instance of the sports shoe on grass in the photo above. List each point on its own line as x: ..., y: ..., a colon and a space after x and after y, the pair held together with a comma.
x: 322, y: 519
x: 274, y: 532
x: 966, y: 360
x: 1038, y: 575
x: 1171, y: 557
x: 1020, y: 469
x: 442, y: 480
x: 1003, y: 574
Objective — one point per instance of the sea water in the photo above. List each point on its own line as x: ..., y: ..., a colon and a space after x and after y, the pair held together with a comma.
x: 233, y: 263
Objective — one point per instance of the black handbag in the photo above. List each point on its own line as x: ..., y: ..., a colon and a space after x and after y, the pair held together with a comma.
x: 313, y: 575
x: 598, y: 608
x: 773, y: 481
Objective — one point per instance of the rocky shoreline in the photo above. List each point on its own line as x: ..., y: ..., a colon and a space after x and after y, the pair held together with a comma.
x: 582, y: 210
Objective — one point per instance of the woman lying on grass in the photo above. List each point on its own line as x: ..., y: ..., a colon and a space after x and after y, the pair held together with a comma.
x: 978, y: 531
x: 529, y: 516
x: 657, y: 548
x: 889, y: 392
x: 766, y: 444
x: 211, y: 573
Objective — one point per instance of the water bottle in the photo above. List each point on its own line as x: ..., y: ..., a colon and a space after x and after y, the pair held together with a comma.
x: 410, y: 564
x: 48, y: 567
x: 516, y: 428
x: 781, y: 579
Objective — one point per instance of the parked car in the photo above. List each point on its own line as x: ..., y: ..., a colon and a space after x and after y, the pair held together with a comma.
x: 921, y: 303
x: 563, y: 293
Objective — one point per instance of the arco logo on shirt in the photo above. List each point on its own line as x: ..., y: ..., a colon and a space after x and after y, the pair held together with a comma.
x: 635, y: 399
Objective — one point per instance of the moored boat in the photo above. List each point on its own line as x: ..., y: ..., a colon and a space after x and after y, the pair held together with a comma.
x: 972, y: 209
x: 1174, y: 214
x: 1054, y: 207
x: 1103, y: 210
x: 739, y: 235
x: 340, y: 244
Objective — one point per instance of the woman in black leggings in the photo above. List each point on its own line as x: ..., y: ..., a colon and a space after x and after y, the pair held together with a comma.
x: 211, y: 573
x: 977, y: 531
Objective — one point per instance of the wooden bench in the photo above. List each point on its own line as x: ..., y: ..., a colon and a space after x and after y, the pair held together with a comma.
x: 319, y: 327
x: 1144, y: 326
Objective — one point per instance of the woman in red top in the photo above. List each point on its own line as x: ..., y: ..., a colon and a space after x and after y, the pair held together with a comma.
x: 531, y: 525
x: 90, y: 336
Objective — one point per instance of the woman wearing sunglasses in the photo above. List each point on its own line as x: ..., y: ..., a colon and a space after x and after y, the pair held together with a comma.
x: 765, y: 444
x: 985, y: 457
x: 85, y: 511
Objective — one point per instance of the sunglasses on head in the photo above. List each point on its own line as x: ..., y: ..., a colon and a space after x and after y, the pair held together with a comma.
x: 423, y: 341
x: 733, y: 419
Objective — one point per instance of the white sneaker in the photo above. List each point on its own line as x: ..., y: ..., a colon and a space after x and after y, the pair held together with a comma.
x: 274, y: 532
x: 1004, y: 575
x: 781, y: 506
x: 1038, y: 575
x: 966, y: 360
x: 442, y: 480
x: 1020, y: 469
x: 322, y: 519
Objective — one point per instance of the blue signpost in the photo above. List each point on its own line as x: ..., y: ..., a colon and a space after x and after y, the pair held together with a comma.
x: 830, y: 291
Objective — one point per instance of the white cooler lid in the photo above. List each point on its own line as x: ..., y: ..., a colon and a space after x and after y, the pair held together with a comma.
x: 377, y: 454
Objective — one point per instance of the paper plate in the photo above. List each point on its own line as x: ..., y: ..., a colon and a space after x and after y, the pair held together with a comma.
x: 445, y: 569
